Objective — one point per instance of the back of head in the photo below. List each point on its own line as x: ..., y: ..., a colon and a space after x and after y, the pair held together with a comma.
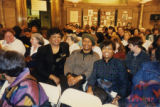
x: 17, y: 30
x: 12, y: 63
x: 27, y: 30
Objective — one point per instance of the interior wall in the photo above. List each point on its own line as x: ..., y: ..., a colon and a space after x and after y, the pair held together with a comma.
x: 0, y: 11
x: 132, y: 6
x: 150, y: 8
x: 133, y: 10
x: 9, y: 9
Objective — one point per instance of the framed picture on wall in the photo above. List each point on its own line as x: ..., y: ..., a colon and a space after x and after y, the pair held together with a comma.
x: 85, y: 17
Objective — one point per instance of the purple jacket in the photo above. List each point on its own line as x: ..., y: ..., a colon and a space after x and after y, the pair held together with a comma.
x: 24, y: 91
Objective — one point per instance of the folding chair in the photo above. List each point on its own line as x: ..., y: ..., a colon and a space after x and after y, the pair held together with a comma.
x: 76, y: 98
x: 5, y: 85
x: 53, y: 92
x: 109, y: 105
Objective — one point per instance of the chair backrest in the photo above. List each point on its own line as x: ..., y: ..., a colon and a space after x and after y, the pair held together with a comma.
x: 76, y: 98
x: 109, y: 105
x: 5, y: 85
x: 53, y: 92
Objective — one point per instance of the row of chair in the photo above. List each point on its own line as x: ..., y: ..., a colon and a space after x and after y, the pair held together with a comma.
x: 70, y: 96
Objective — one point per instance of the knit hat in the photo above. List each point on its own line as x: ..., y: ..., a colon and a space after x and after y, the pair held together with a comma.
x: 89, y: 36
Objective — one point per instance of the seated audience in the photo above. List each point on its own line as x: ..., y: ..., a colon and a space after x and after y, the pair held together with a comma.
x: 109, y: 74
x: 36, y: 42
x: 24, y: 90
x: 79, y: 65
x: 120, y: 32
x: 120, y: 50
x: 136, y: 57
x: 10, y: 42
x: 154, y: 46
x: 50, y: 58
x: 25, y: 38
x: 146, y: 43
x: 72, y: 41
x: 146, y: 85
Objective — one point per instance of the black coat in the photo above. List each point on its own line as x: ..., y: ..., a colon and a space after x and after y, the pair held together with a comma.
x: 49, y: 63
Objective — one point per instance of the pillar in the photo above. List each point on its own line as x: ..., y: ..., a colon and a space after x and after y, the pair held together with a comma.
x: 21, y: 12
x: 56, y: 13
x: 2, y: 13
x: 141, y: 15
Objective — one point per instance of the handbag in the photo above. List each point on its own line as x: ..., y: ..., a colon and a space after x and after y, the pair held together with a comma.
x: 104, y: 96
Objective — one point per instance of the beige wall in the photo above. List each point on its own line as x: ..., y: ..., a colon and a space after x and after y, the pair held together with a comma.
x: 132, y: 6
x: 14, y: 12
x: 9, y: 9
x: 150, y: 8
x: 0, y: 11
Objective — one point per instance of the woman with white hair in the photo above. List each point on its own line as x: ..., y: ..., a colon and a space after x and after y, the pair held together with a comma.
x: 36, y: 42
x: 72, y: 41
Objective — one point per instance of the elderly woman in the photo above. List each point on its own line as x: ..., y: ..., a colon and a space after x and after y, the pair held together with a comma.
x: 146, y: 83
x: 36, y: 42
x: 10, y: 42
x: 24, y: 90
x: 50, y: 58
x: 72, y: 41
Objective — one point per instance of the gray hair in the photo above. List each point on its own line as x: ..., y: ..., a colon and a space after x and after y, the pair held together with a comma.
x: 73, y: 37
x: 39, y: 37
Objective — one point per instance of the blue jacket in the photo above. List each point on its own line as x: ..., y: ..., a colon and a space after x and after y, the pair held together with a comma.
x: 149, y: 71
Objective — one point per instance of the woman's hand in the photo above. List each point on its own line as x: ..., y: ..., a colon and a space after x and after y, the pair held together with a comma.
x: 54, y: 78
x: 115, y: 100
x: 70, y: 80
x: 28, y: 58
x: 90, y: 91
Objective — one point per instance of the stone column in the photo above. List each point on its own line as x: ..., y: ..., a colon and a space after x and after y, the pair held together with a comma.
x: 56, y: 13
x: 21, y: 12
x: 141, y: 15
x: 2, y: 13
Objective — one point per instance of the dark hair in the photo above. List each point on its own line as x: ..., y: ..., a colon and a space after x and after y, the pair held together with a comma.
x: 12, y: 63
x: 157, y: 53
x: 154, y: 29
x: 27, y: 30
x: 135, y: 41
x: 93, y: 28
x: 54, y: 31
x: 112, y: 28
x: 17, y: 30
x: 107, y: 43
x: 69, y: 31
x: 39, y: 38
x: 148, y: 30
x: 2, y: 34
x: 9, y: 30
x: 1, y: 26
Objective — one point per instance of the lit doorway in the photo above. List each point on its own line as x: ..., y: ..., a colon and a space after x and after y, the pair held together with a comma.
x: 39, y: 13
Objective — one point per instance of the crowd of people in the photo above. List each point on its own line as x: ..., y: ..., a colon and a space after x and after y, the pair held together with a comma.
x: 108, y: 60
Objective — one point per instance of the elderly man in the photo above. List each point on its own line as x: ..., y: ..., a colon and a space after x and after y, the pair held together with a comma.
x: 79, y: 65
